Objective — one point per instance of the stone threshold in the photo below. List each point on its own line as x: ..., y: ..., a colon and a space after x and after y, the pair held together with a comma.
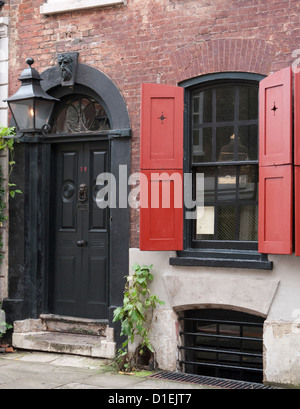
x: 67, y: 335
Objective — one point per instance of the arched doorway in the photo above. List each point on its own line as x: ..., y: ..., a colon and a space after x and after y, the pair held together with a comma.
x: 80, y: 229
x: 62, y: 245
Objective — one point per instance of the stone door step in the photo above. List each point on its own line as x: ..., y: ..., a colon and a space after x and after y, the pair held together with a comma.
x: 73, y: 325
x: 66, y: 335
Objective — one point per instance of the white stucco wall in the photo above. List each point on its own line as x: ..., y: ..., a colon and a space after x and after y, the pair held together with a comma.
x: 273, y: 295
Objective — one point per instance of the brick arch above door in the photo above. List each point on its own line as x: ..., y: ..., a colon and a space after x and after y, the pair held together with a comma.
x: 224, y: 54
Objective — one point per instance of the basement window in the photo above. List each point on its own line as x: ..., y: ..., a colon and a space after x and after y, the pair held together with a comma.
x: 223, y: 344
x: 57, y: 6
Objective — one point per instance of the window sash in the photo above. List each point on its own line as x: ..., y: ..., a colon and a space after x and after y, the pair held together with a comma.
x: 236, y: 122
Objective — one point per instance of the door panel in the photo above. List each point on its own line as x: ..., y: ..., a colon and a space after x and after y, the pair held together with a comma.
x: 81, y: 232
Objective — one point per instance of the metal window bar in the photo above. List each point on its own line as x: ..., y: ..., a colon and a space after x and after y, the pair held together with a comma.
x: 241, y: 360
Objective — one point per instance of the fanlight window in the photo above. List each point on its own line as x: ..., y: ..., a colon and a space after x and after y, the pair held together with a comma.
x: 80, y: 114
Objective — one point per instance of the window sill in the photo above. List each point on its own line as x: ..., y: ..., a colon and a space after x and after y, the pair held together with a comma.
x: 57, y: 6
x: 222, y: 258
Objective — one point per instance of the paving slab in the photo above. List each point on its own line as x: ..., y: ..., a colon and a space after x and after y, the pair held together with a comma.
x: 42, y: 370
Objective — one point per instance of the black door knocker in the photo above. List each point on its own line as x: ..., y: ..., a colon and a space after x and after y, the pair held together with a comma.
x: 82, y: 192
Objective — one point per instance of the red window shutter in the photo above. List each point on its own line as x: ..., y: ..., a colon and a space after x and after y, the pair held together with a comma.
x: 161, y: 158
x: 161, y: 127
x: 275, y: 219
x: 297, y: 160
x: 275, y: 209
x: 297, y: 210
x: 297, y: 119
x: 275, y: 118
x: 161, y: 210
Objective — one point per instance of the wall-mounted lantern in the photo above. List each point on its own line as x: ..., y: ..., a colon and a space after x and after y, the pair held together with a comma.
x: 31, y: 106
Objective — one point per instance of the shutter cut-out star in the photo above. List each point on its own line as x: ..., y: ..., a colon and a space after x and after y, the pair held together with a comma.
x: 274, y: 108
x: 162, y: 118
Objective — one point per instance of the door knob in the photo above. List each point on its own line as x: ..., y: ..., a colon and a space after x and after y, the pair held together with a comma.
x: 81, y: 243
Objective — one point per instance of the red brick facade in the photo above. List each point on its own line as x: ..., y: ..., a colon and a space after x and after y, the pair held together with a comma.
x: 164, y: 41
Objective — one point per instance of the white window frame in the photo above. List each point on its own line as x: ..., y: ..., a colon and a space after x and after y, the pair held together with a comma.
x: 58, y: 6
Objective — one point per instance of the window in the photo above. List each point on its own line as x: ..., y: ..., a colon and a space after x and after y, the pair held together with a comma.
x: 56, y: 6
x: 223, y: 344
x: 221, y: 145
x: 224, y: 139
x: 79, y: 114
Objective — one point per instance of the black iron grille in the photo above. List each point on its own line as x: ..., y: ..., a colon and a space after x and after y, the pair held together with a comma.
x: 209, y: 381
x: 223, y: 344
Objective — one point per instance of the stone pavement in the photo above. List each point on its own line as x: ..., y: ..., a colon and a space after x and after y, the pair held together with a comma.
x: 42, y: 370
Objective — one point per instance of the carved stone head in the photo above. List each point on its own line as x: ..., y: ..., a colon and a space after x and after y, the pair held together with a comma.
x: 67, y: 63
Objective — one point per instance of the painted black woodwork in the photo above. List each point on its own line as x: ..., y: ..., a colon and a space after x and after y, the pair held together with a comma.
x: 31, y: 236
x: 80, y: 248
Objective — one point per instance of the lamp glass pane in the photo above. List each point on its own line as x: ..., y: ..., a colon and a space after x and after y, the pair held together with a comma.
x: 43, y: 110
x: 23, y: 112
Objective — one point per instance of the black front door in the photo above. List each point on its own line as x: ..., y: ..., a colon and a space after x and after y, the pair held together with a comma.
x: 80, y: 238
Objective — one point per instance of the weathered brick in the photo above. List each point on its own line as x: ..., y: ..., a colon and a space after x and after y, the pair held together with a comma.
x: 166, y: 41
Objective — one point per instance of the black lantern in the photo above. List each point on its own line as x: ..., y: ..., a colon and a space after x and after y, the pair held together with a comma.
x: 31, y: 106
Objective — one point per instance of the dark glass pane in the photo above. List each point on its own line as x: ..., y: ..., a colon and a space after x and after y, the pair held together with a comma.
x: 248, y: 142
x: 226, y: 222
x: 227, y: 183
x: 209, y: 183
x: 225, y: 143
x: 248, y: 182
x: 248, y: 103
x: 80, y: 114
x: 202, y: 107
x: 202, y: 145
x: 248, y: 222
x: 225, y: 101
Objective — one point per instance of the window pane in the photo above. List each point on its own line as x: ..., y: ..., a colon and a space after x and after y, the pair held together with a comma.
x: 225, y: 143
x: 225, y: 101
x: 79, y: 114
x: 248, y: 219
x: 202, y: 107
x: 248, y: 141
x: 205, y: 223
x: 226, y: 222
x: 209, y: 183
x: 248, y: 103
x: 202, y: 145
x: 227, y: 183
x: 248, y: 182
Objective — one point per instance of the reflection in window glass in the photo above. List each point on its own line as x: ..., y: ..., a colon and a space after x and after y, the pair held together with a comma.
x: 248, y: 103
x: 225, y: 102
x: 248, y: 142
x: 224, y: 124
x: 77, y: 114
x: 225, y: 139
x: 202, y: 145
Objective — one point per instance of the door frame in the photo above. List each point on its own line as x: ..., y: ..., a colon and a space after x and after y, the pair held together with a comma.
x: 29, y: 215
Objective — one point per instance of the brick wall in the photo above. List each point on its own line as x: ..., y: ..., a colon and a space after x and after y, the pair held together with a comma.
x: 4, y: 22
x: 157, y: 41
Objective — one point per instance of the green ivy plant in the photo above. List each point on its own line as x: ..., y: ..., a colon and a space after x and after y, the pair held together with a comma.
x: 7, y: 144
x: 137, y: 310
